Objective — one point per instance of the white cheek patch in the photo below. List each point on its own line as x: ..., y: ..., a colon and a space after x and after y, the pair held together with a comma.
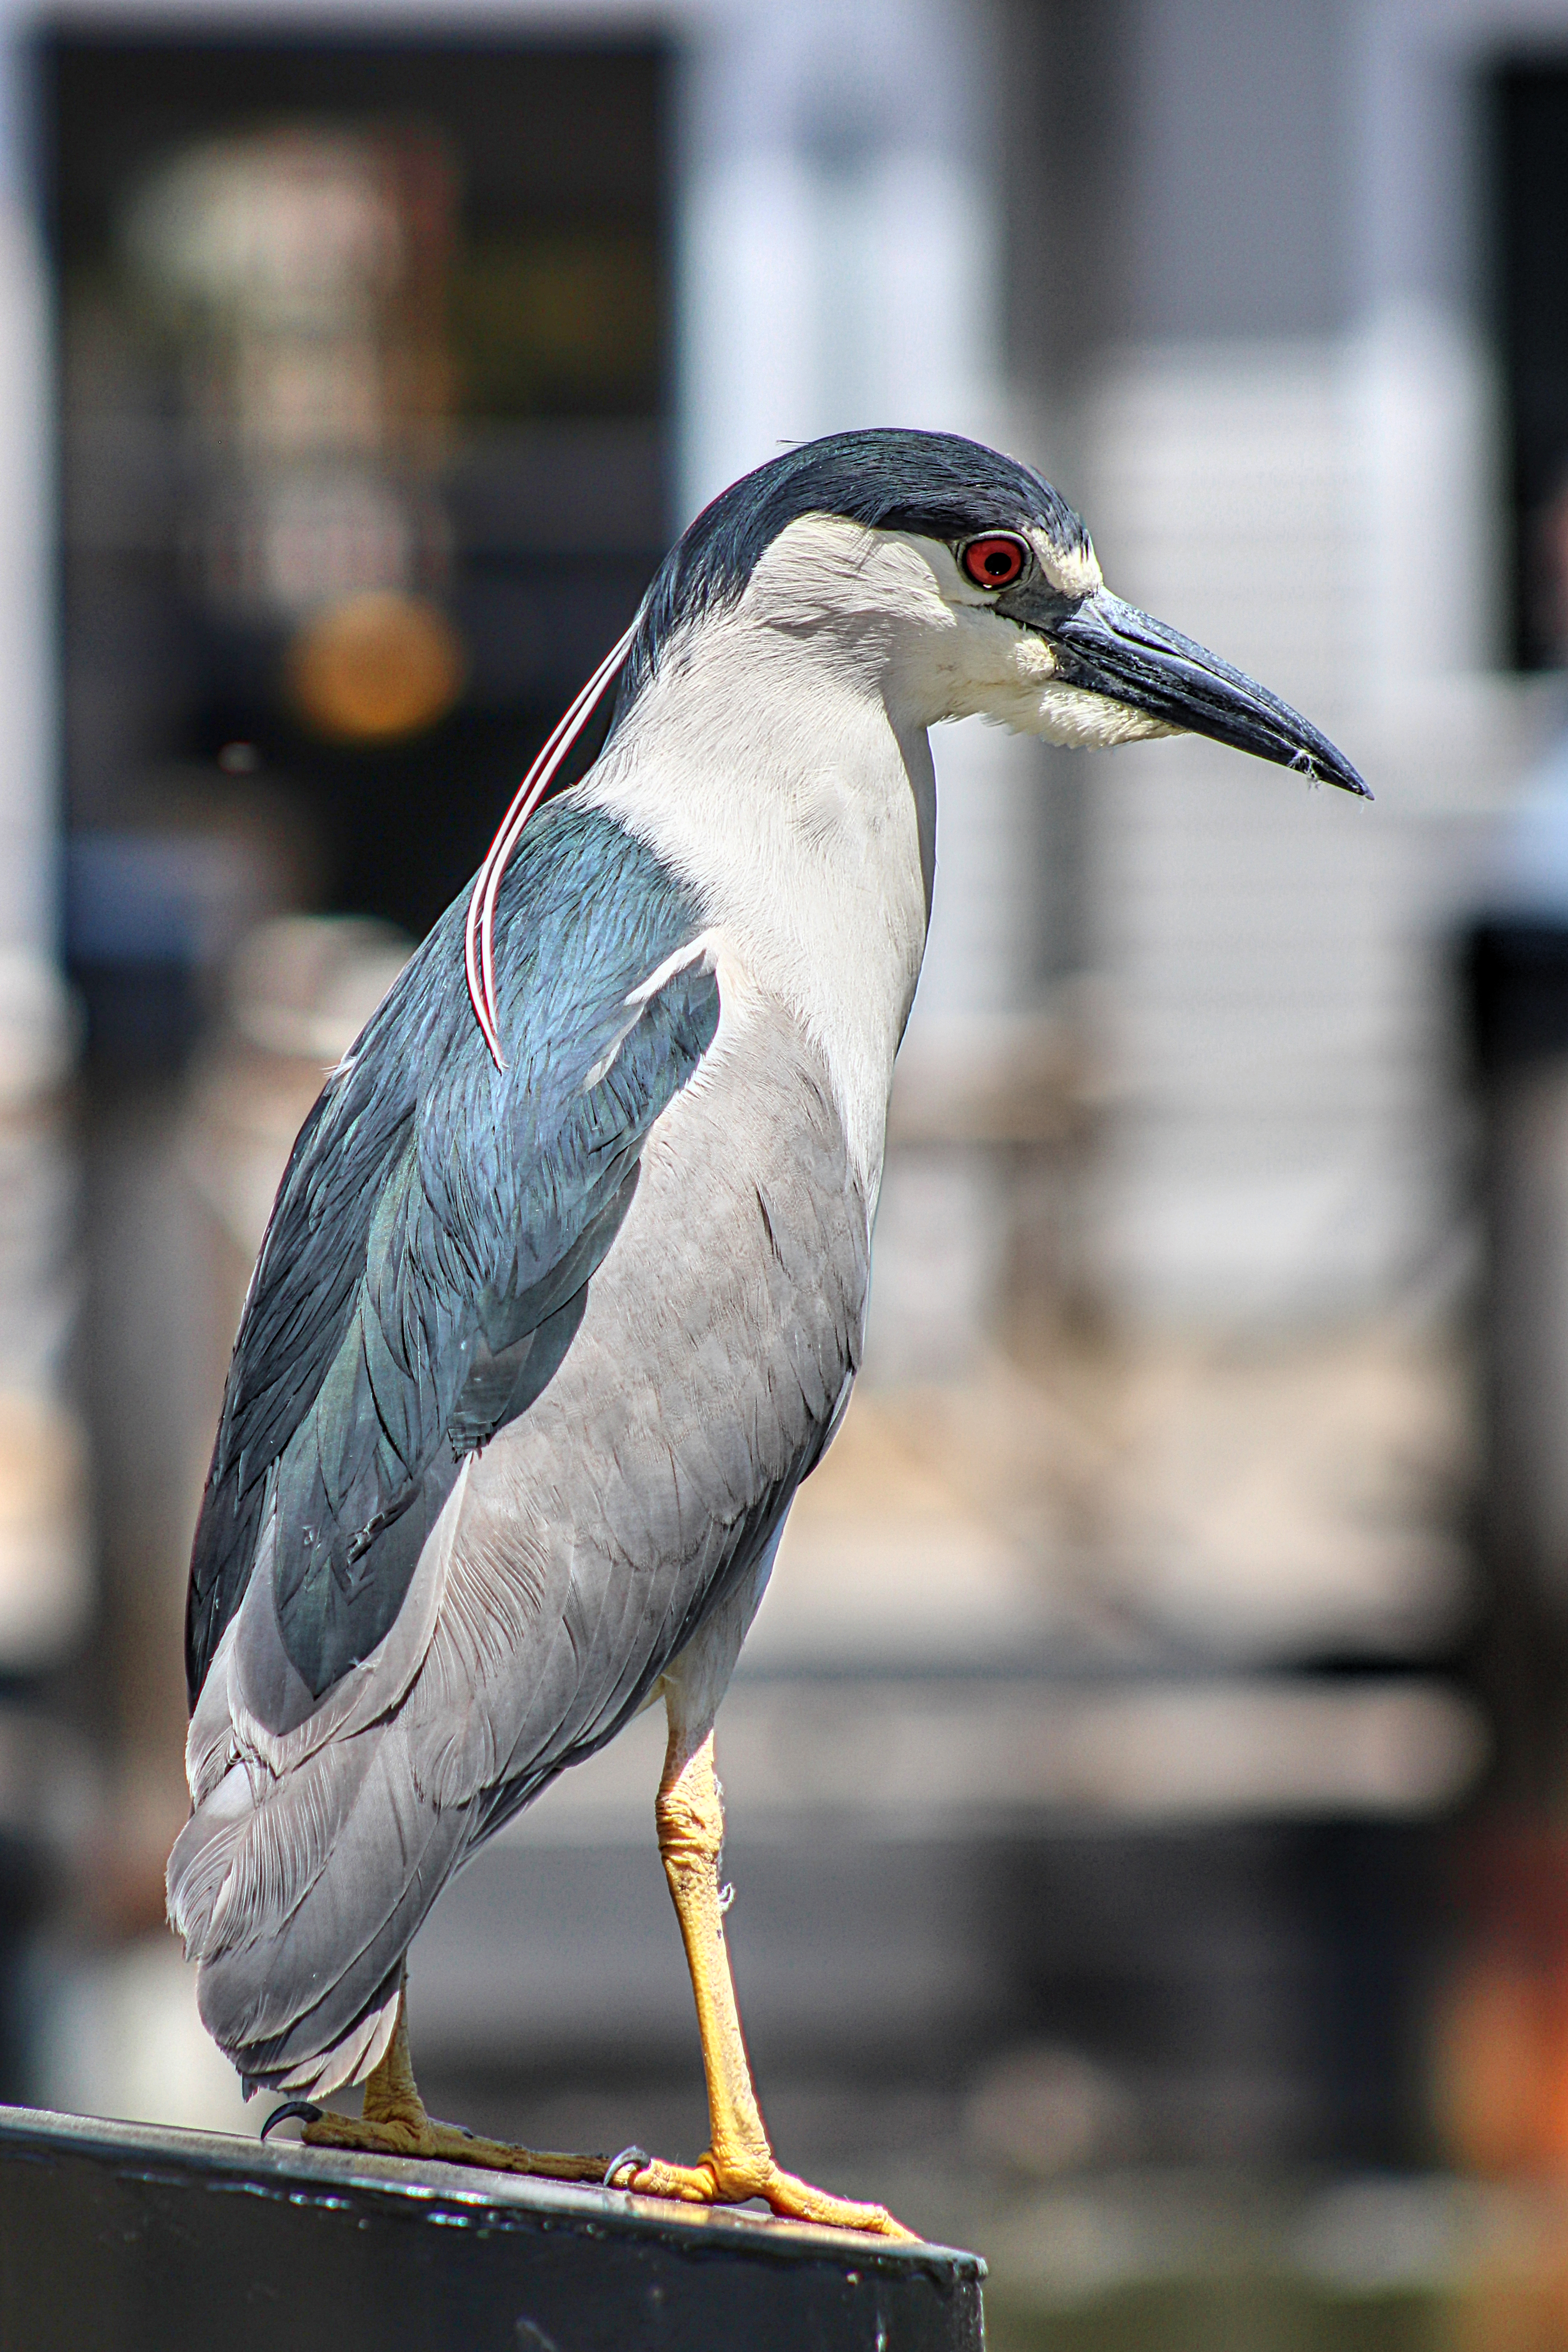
x: 963, y: 659
x: 1008, y: 675
x: 1072, y: 716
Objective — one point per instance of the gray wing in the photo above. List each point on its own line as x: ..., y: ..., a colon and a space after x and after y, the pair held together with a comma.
x: 577, y: 1556
x: 688, y: 1428
x: 435, y: 1216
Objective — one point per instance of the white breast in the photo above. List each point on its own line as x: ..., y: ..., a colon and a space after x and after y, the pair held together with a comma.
x: 764, y: 766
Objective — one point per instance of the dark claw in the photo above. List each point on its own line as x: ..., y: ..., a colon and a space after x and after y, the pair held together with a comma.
x: 616, y: 2163
x: 306, y: 2112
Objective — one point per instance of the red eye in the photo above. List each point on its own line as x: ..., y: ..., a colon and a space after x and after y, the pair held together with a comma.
x: 994, y: 561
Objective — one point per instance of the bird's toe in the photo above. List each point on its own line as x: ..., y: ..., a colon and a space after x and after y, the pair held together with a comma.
x: 452, y: 2145
x: 381, y: 2136
x: 410, y: 2136
x: 799, y: 2202
x: 712, y: 2182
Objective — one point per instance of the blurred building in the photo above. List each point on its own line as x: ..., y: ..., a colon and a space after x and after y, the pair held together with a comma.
x: 1099, y: 1730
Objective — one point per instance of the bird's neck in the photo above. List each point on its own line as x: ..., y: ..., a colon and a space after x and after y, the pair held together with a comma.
x: 770, y: 774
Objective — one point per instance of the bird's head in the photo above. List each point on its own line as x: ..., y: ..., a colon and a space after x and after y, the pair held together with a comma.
x: 970, y: 587
x: 950, y: 581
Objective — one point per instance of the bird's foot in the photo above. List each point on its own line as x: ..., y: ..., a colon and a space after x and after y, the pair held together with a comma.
x: 751, y: 2174
x: 413, y: 2134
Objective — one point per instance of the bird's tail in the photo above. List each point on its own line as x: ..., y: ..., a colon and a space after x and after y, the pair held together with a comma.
x: 298, y: 1898
x: 309, y: 1860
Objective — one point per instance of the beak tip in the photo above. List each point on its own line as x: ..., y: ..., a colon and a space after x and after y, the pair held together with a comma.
x: 1336, y: 771
x: 1110, y: 647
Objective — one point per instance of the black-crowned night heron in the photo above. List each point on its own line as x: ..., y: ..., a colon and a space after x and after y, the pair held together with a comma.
x: 562, y: 1293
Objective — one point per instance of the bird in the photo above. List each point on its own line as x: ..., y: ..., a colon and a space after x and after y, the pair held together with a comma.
x: 564, y: 1292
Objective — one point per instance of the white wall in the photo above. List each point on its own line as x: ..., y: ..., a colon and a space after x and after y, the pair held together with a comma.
x: 1326, y: 507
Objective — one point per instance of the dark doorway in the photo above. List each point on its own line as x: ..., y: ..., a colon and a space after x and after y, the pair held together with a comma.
x: 1530, y: 118
x: 341, y: 323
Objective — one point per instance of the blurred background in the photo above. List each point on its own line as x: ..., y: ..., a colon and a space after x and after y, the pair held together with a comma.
x: 1149, y: 1773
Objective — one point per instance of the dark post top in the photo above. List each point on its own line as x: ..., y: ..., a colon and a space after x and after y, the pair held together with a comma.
x: 131, y: 2238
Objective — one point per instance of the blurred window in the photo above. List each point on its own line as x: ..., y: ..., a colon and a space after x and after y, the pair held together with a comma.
x: 363, y: 447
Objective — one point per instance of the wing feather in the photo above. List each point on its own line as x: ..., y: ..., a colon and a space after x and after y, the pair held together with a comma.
x: 434, y: 1222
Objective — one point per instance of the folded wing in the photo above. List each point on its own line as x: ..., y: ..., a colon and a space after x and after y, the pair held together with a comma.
x: 434, y: 1231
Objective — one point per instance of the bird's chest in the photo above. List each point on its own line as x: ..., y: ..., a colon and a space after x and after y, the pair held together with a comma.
x: 742, y: 1268
x: 805, y: 828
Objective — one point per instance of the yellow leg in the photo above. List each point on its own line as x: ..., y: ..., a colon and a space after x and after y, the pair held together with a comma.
x: 740, y: 2162
x: 394, y: 2123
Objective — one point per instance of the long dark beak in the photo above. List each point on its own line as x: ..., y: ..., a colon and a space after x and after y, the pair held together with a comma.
x: 1111, y: 648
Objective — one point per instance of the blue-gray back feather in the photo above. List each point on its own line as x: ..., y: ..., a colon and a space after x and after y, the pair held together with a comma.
x: 436, y: 1222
